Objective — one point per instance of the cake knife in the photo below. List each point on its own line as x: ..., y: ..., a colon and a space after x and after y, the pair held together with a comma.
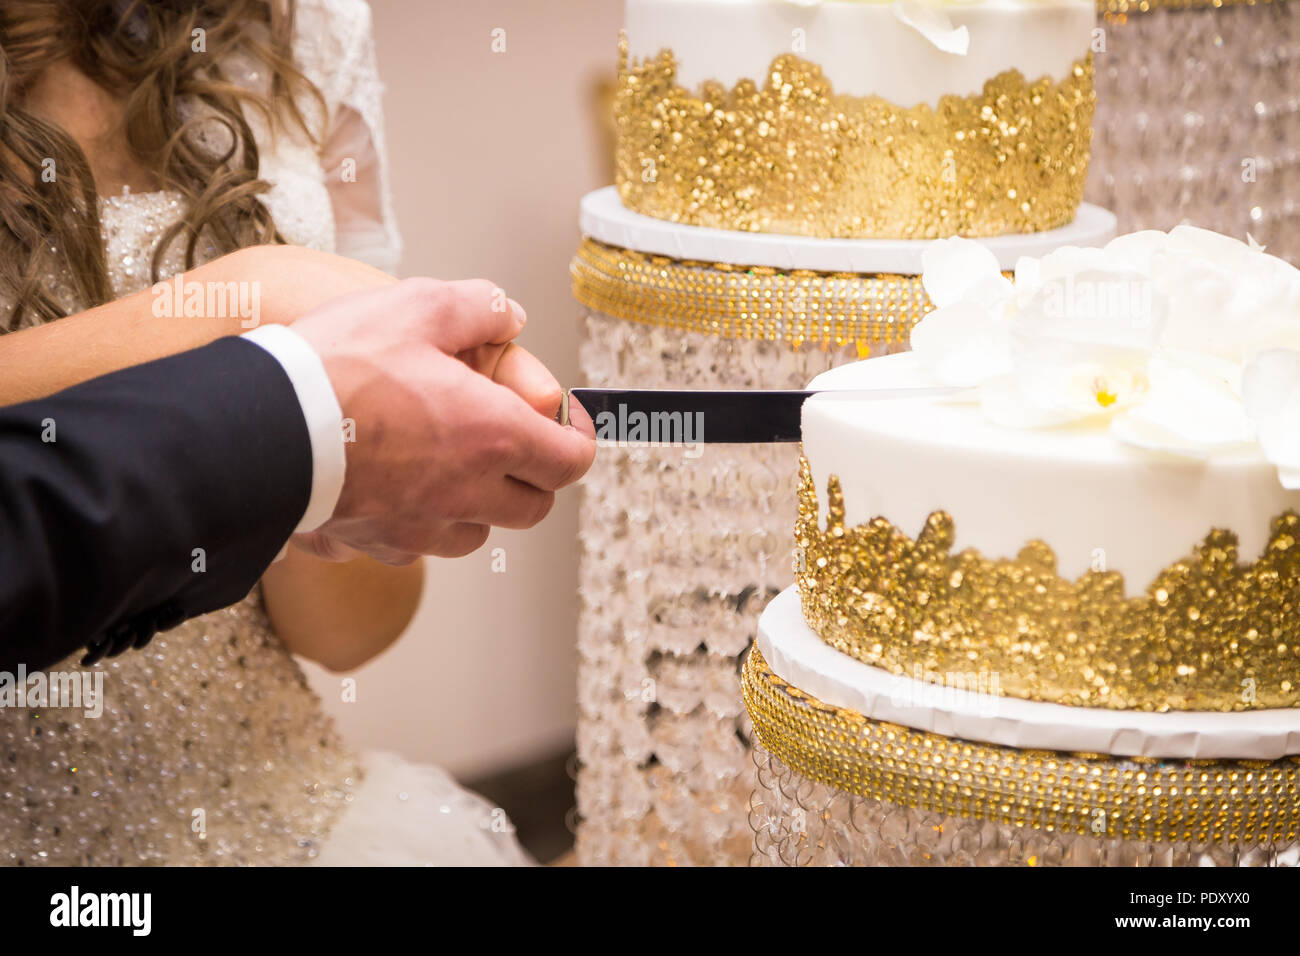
x: 718, y: 417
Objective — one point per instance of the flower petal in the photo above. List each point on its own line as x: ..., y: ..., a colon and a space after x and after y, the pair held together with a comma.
x: 962, y: 344
x: 1135, y: 250
x: 1190, y: 408
x: 1268, y: 381
x: 1270, y: 389
x: 1027, y: 273
x: 950, y: 268
x: 1094, y: 307
x: 1207, y: 244
x: 933, y: 24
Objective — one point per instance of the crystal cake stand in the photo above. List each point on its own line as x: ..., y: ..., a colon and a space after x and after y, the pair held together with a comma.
x: 682, y: 548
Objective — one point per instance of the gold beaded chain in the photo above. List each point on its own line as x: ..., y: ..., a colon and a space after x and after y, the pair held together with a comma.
x: 1196, y: 801
x: 827, y: 309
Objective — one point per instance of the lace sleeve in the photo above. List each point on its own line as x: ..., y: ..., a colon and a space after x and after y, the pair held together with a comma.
x: 353, y: 155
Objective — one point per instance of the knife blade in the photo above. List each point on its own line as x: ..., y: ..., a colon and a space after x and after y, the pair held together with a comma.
x: 688, y: 416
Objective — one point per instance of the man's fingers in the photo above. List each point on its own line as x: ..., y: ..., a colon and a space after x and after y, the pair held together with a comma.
x: 460, y: 539
x: 466, y: 314
x: 392, y: 556
x: 324, y: 546
x: 510, y: 503
x: 546, y: 454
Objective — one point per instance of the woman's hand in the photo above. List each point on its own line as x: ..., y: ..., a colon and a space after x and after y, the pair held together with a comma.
x: 339, y: 613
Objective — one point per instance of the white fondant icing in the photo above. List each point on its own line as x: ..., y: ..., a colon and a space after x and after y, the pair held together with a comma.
x: 1092, y: 499
x: 798, y: 656
x: 862, y: 48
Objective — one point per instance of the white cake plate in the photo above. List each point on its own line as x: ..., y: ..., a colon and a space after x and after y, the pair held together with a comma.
x: 604, y: 218
x: 798, y: 656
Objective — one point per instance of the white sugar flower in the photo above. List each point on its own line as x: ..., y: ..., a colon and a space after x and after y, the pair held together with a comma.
x: 1184, y: 343
x: 963, y: 344
x: 1080, y: 348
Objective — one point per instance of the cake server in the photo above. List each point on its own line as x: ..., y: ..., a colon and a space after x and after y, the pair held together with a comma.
x: 721, y: 417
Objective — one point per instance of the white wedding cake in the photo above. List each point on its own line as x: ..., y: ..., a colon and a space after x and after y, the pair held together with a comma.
x: 1060, y: 597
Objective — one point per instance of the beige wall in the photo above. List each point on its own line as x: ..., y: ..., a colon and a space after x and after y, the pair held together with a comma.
x: 490, y: 153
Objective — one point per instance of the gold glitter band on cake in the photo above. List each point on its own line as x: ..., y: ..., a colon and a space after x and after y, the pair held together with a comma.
x: 1208, y: 633
x: 1196, y: 801
x: 791, y: 156
x: 748, y: 302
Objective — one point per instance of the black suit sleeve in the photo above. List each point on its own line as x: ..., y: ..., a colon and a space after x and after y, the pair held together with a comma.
x: 137, y: 500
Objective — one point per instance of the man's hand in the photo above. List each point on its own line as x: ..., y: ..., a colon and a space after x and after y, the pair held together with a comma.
x: 442, y: 451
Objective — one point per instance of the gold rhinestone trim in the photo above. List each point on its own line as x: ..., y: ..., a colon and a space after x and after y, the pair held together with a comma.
x: 748, y: 302
x: 791, y: 156
x: 1208, y: 633
x: 1197, y: 801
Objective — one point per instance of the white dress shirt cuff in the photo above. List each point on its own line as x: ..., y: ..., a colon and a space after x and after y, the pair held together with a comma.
x: 324, y: 418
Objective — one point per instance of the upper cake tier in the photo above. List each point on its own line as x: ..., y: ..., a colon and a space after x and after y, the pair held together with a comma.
x: 1106, y: 517
x: 856, y: 119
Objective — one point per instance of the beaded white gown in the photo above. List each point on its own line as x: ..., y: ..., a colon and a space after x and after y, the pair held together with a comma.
x: 211, y: 748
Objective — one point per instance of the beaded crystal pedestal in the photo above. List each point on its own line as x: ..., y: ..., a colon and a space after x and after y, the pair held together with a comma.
x: 1198, y: 118
x: 680, y: 553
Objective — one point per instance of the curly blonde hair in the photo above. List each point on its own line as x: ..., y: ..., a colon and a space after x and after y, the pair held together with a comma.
x: 143, y: 52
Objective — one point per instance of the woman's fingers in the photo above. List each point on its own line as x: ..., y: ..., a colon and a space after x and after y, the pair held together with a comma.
x: 484, y: 358
x: 525, y: 375
x: 520, y: 371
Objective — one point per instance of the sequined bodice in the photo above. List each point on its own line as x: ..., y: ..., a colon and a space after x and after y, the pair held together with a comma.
x: 210, y: 747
